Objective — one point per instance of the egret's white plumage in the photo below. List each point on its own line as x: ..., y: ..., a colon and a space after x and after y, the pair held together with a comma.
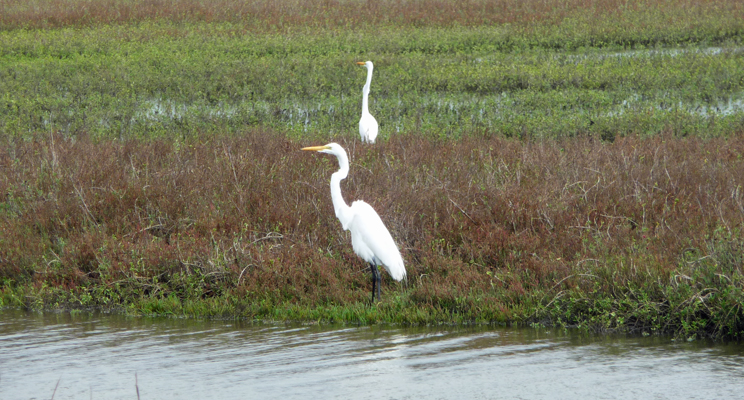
x: 369, y: 236
x: 368, y: 127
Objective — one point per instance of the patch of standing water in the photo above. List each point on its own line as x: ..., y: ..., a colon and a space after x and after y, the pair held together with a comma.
x: 479, y: 108
x: 718, y: 108
x: 662, y: 52
x: 652, y: 52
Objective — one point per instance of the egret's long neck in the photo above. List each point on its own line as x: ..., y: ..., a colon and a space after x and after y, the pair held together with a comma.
x: 343, y: 211
x: 365, y: 91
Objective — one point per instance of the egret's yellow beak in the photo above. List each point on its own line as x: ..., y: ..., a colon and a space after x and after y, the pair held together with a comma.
x: 316, y: 148
x: 360, y: 63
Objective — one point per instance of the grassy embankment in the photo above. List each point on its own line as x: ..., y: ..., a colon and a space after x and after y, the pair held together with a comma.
x: 151, y: 160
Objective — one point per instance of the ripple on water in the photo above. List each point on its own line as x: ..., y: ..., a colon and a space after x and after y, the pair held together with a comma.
x: 97, y: 356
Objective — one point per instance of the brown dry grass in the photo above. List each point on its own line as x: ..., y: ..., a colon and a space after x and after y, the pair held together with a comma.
x: 264, y: 14
x: 252, y: 214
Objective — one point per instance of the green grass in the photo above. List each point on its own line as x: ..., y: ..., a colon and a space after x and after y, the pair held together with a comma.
x: 576, y: 73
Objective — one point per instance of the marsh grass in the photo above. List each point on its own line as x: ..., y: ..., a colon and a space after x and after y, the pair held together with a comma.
x: 550, y: 162
x: 138, y: 69
x: 639, y: 234
x: 602, y: 17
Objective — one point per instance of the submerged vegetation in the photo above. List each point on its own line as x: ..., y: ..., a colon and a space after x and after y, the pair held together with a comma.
x: 551, y: 162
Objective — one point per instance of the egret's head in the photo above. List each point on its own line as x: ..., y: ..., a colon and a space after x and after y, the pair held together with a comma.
x: 330, y: 148
x: 367, y: 64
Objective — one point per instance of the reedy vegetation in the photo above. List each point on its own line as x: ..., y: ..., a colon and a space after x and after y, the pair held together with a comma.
x: 150, y: 158
x: 288, y: 15
x: 642, y: 234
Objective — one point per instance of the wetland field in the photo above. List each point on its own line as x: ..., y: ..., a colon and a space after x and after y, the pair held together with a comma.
x: 548, y: 163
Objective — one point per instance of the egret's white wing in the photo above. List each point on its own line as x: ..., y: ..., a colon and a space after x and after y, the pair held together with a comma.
x: 372, y: 241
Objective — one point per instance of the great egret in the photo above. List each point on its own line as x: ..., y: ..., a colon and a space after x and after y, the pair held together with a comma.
x: 368, y: 127
x: 369, y: 237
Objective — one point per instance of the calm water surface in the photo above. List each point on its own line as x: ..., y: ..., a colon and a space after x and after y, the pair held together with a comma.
x: 98, y: 357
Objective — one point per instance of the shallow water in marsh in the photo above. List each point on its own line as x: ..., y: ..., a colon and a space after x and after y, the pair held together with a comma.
x: 111, y: 357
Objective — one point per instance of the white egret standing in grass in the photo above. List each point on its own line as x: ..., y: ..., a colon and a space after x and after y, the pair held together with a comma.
x: 368, y: 127
x: 369, y: 237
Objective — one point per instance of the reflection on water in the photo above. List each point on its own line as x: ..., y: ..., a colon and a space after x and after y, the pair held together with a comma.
x: 97, y: 356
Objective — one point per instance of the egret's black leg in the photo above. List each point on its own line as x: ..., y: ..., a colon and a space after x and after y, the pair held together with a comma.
x: 375, y: 281
x: 378, y: 276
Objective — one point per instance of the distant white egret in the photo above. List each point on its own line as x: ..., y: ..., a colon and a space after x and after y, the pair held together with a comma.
x: 368, y: 127
x: 369, y: 237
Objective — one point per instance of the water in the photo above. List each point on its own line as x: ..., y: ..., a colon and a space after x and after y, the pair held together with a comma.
x: 111, y: 357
